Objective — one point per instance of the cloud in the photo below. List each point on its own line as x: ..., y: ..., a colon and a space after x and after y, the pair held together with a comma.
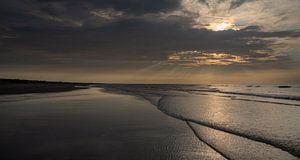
x: 198, y: 58
x: 216, y: 15
x: 238, y: 14
x: 108, y: 13
x: 138, y: 40
x: 104, y: 34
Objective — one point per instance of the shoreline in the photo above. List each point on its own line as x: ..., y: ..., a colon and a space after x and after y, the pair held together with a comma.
x: 93, y: 125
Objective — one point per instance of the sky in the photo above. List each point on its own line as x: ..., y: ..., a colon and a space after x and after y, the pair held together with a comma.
x: 151, y: 41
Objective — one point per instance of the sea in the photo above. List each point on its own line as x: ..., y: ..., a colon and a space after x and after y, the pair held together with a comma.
x: 235, y: 120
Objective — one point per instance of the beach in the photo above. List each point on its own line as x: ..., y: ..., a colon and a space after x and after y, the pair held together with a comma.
x: 92, y: 124
x: 149, y: 80
x: 111, y: 121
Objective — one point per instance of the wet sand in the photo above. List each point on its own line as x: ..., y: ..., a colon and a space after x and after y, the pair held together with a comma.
x: 91, y: 124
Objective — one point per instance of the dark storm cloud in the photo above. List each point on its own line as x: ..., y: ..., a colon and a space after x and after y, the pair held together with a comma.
x: 95, y: 33
x: 129, y: 40
x: 79, y: 8
x: 75, y: 13
x: 130, y: 6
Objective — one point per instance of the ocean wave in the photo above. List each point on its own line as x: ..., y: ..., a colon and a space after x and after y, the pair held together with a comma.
x: 157, y: 96
x: 288, y: 97
x: 236, y: 147
x: 210, y: 89
x: 287, y: 146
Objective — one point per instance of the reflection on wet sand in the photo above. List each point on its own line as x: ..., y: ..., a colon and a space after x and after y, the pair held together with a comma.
x: 90, y: 124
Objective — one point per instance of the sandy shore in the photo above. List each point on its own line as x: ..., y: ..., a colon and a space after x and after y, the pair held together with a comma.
x: 90, y: 124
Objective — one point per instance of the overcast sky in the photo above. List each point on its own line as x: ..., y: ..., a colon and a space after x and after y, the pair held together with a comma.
x: 151, y: 41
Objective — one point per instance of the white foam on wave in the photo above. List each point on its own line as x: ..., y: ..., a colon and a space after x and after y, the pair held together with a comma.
x: 236, y: 147
x: 249, y: 119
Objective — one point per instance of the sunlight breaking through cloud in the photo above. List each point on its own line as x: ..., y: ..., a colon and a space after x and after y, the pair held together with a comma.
x: 219, y: 15
x: 197, y: 58
x: 173, y: 38
x: 222, y: 26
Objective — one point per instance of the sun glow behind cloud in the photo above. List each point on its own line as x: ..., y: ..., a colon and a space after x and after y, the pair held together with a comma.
x: 222, y: 15
x: 159, y: 40
x: 197, y: 58
x: 222, y: 26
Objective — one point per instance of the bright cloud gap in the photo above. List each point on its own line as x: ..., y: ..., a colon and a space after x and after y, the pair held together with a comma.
x: 198, y: 58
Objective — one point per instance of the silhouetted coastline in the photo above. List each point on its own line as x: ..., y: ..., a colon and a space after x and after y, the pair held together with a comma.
x: 18, y: 86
